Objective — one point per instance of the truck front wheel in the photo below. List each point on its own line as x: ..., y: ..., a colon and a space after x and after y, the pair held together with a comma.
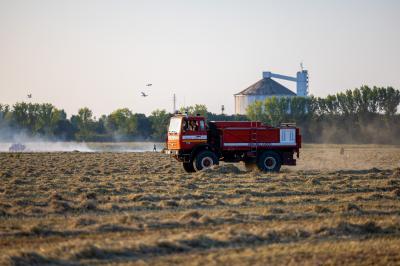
x: 269, y: 161
x: 189, y: 168
x: 205, y: 159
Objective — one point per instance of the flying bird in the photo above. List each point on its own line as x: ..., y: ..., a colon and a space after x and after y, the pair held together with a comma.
x: 149, y: 84
x: 29, y: 96
x: 144, y: 94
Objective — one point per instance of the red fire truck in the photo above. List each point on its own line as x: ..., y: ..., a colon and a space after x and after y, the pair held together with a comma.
x: 199, y: 145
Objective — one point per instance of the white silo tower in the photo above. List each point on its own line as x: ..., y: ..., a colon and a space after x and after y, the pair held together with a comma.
x: 302, y: 83
x: 259, y: 91
x: 267, y: 88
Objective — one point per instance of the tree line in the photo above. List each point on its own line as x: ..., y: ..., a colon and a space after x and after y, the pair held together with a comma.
x: 45, y: 120
x: 362, y: 115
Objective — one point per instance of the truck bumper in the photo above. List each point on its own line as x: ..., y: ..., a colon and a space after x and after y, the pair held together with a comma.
x: 179, y: 155
x: 171, y: 152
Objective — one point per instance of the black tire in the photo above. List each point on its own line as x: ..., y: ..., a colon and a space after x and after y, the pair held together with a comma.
x: 269, y: 161
x: 189, y: 168
x: 205, y: 159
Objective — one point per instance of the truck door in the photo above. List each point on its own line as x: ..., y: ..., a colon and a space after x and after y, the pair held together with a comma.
x: 193, y: 132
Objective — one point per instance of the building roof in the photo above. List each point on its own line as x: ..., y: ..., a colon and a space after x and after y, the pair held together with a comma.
x: 267, y: 86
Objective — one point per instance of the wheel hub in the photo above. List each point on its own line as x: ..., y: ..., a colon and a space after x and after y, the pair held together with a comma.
x: 270, y: 163
x: 207, y: 162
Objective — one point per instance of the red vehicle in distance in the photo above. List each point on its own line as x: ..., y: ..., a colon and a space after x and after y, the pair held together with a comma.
x: 200, y: 145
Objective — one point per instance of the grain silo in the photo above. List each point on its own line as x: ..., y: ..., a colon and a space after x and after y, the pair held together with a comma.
x: 267, y: 88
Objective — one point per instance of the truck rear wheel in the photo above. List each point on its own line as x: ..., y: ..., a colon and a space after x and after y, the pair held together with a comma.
x: 189, y: 168
x: 269, y: 161
x: 205, y: 159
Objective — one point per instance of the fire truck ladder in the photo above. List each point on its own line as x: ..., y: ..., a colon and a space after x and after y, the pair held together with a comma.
x: 253, y: 138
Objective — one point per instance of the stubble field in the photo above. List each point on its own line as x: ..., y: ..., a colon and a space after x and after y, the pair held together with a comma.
x: 142, y: 208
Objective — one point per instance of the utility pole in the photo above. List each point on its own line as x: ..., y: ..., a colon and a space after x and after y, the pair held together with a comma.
x: 174, y: 104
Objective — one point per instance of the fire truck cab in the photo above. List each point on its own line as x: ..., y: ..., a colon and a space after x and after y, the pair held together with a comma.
x: 200, y: 145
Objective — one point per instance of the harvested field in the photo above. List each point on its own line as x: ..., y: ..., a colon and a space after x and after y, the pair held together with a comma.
x: 141, y: 208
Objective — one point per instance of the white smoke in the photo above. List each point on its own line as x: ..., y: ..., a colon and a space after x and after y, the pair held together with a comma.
x: 47, y: 146
x: 68, y: 146
x: 9, y: 137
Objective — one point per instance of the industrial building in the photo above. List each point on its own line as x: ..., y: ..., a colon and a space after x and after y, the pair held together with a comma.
x: 267, y: 88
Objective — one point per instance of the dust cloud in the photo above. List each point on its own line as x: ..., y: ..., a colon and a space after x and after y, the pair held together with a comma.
x: 334, y: 157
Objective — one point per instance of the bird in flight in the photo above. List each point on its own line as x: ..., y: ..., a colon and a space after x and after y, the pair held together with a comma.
x: 149, y: 84
x: 29, y: 96
x: 144, y: 94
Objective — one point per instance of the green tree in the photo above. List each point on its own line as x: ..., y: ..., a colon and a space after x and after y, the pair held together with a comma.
x: 61, y: 126
x: 45, y: 118
x: 4, y: 114
x: 197, y: 109
x: 255, y: 112
x: 299, y: 107
x: 389, y: 100
x: 123, y: 123
x: 100, y: 127
x: 84, y: 122
x: 159, y: 123
x: 276, y: 109
x: 20, y: 115
x: 143, y: 126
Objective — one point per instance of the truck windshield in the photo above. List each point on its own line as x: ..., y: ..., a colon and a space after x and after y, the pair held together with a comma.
x: 175, y: 125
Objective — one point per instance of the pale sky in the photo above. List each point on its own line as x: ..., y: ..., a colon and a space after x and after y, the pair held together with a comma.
x: 101, y: 54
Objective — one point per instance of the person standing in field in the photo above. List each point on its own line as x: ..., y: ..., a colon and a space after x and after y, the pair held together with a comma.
x: 154, y: 148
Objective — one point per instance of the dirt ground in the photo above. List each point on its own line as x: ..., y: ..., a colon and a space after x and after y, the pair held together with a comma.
x: 141, y: 208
